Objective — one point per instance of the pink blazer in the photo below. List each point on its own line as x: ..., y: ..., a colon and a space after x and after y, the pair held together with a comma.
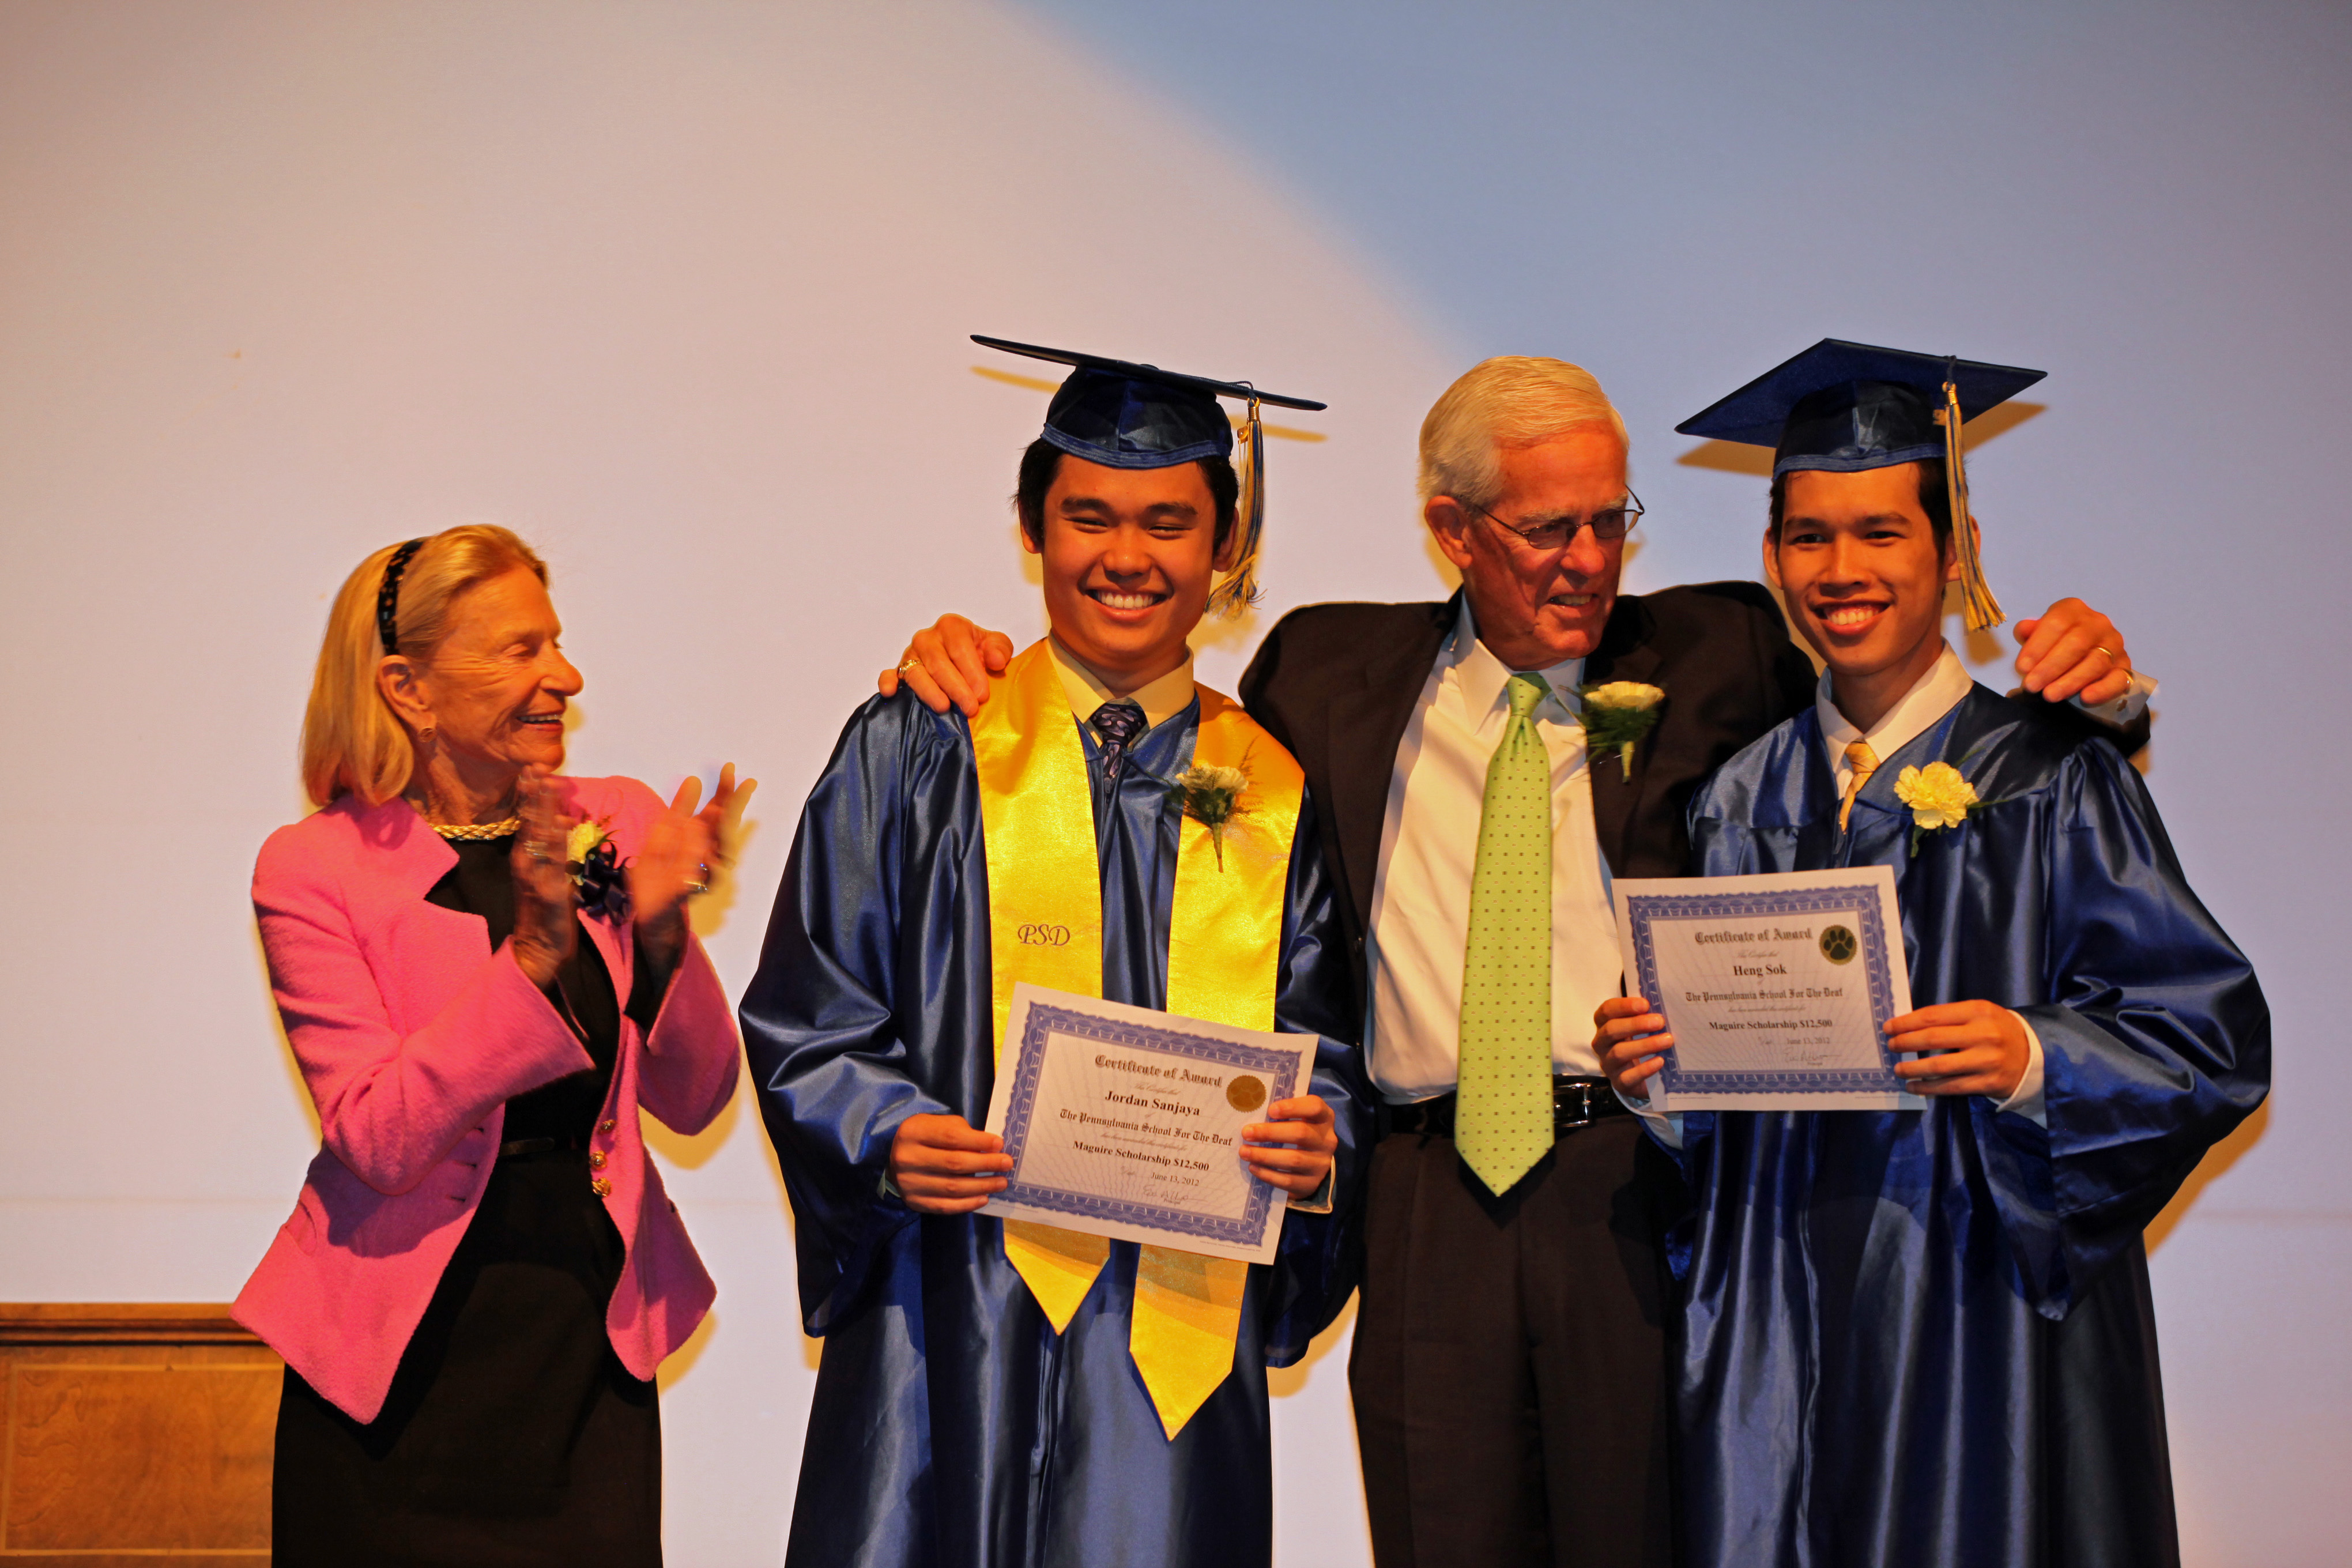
x: 410, y: 1040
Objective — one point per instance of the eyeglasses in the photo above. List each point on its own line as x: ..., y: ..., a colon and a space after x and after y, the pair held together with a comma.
x: 1610, y: 523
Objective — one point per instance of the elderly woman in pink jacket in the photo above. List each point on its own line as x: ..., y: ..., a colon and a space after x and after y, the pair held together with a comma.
x: 484, y: 970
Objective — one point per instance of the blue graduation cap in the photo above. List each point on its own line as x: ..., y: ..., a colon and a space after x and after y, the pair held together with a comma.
x: 1845, y: 408
x: 1129, y: 415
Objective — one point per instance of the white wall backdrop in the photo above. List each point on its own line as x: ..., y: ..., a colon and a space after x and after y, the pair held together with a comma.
x: 680, y: 290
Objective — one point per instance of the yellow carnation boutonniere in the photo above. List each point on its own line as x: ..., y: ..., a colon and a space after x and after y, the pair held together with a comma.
x: 1619, y: 713
x: 1211, y: 796
x: 583, y: 837
x: 1939, y: 798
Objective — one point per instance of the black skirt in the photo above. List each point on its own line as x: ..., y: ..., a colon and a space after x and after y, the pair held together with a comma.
x: 512, y: 1436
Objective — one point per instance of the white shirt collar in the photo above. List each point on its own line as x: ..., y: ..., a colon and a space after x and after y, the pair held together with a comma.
x: 1480, y: 680
x: 1160, y: 700
x: 1931, y: 697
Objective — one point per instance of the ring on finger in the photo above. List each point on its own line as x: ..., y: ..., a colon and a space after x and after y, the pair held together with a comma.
x: 910, y: 662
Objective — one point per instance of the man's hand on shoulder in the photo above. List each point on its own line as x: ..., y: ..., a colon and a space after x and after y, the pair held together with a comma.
x: 2071, y: 650
x: 948, y: 665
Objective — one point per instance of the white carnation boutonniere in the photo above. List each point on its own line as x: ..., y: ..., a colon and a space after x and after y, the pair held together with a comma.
x: 1213, y: 796
x: 1619, y: 713
x: 1938, y: 797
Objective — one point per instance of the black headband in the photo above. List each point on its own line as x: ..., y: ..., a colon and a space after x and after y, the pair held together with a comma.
x: 387, y: 598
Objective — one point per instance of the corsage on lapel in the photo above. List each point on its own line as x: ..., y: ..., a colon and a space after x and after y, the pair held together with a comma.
x: 1939, y: 798
x: 595, y: 867
x: 1619, y: 713
x: 1211, y: 796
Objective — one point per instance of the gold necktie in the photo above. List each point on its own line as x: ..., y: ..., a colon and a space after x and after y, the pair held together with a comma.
x: 1864, y: 763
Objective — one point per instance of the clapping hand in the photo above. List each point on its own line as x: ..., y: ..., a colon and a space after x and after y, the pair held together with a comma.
x: 674, y: 862
x: 546, y: 922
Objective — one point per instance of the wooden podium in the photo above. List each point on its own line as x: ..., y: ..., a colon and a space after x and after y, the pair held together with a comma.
x: 137, y: 1434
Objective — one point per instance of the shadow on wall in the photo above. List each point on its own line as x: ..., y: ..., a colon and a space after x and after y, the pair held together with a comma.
x: 2218, y: 1160
x: 1284, y: 1382
x: 681, y: 1360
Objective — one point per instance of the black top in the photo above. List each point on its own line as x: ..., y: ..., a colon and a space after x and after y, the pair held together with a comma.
x: 512, y: 1433
x: 482, y: 883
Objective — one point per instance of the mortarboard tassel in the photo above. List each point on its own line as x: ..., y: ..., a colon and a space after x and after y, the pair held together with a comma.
x: 1240, y: 590
x: 1983, y: 611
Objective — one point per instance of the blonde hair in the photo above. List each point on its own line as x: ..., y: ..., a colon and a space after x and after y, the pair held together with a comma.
x: 352, y: 742
x: 1509, y: 400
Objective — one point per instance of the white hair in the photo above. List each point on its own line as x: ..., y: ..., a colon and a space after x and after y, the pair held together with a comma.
x: 1508, y: 401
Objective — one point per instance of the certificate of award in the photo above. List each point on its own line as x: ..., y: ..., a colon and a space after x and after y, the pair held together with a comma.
x: 1776, y: 988
x: 1126, y: 1123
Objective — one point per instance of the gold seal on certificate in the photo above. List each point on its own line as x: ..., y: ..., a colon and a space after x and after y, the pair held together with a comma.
x: 1126, y: 1123
x: 1776, y: 988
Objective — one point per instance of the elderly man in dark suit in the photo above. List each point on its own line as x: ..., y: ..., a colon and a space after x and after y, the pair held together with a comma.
x: 1508, y: 1363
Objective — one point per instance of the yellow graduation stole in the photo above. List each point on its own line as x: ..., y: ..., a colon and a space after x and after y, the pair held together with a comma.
x: 1224, y: 941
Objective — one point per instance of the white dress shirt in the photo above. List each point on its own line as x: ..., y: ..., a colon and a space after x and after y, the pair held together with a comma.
x: 1429, y: 848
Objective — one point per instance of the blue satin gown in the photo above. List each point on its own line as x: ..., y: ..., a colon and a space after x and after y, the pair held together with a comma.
x: 1925, y: 1338
x: 952, y: 1425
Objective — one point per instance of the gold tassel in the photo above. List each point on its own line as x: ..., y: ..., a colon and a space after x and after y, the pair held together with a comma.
x: 1983, y: 611
x: 1239, y: 591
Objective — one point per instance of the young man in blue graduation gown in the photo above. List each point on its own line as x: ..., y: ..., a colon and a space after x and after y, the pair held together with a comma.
x: 1925, y: 1338
x: 997, y: 1394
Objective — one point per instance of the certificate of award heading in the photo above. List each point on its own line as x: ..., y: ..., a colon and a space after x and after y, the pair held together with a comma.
x: 1126, y: 1123
x: 1776, y: 988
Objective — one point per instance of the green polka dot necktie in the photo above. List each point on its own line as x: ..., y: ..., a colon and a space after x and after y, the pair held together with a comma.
x: 1503, y: 1115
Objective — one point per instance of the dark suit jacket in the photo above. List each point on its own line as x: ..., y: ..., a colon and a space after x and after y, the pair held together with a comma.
x: 1337, y: 685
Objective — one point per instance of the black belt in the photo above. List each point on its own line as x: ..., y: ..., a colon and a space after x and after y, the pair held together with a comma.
x: 515, y: 1146
x: 1575, y: 1102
